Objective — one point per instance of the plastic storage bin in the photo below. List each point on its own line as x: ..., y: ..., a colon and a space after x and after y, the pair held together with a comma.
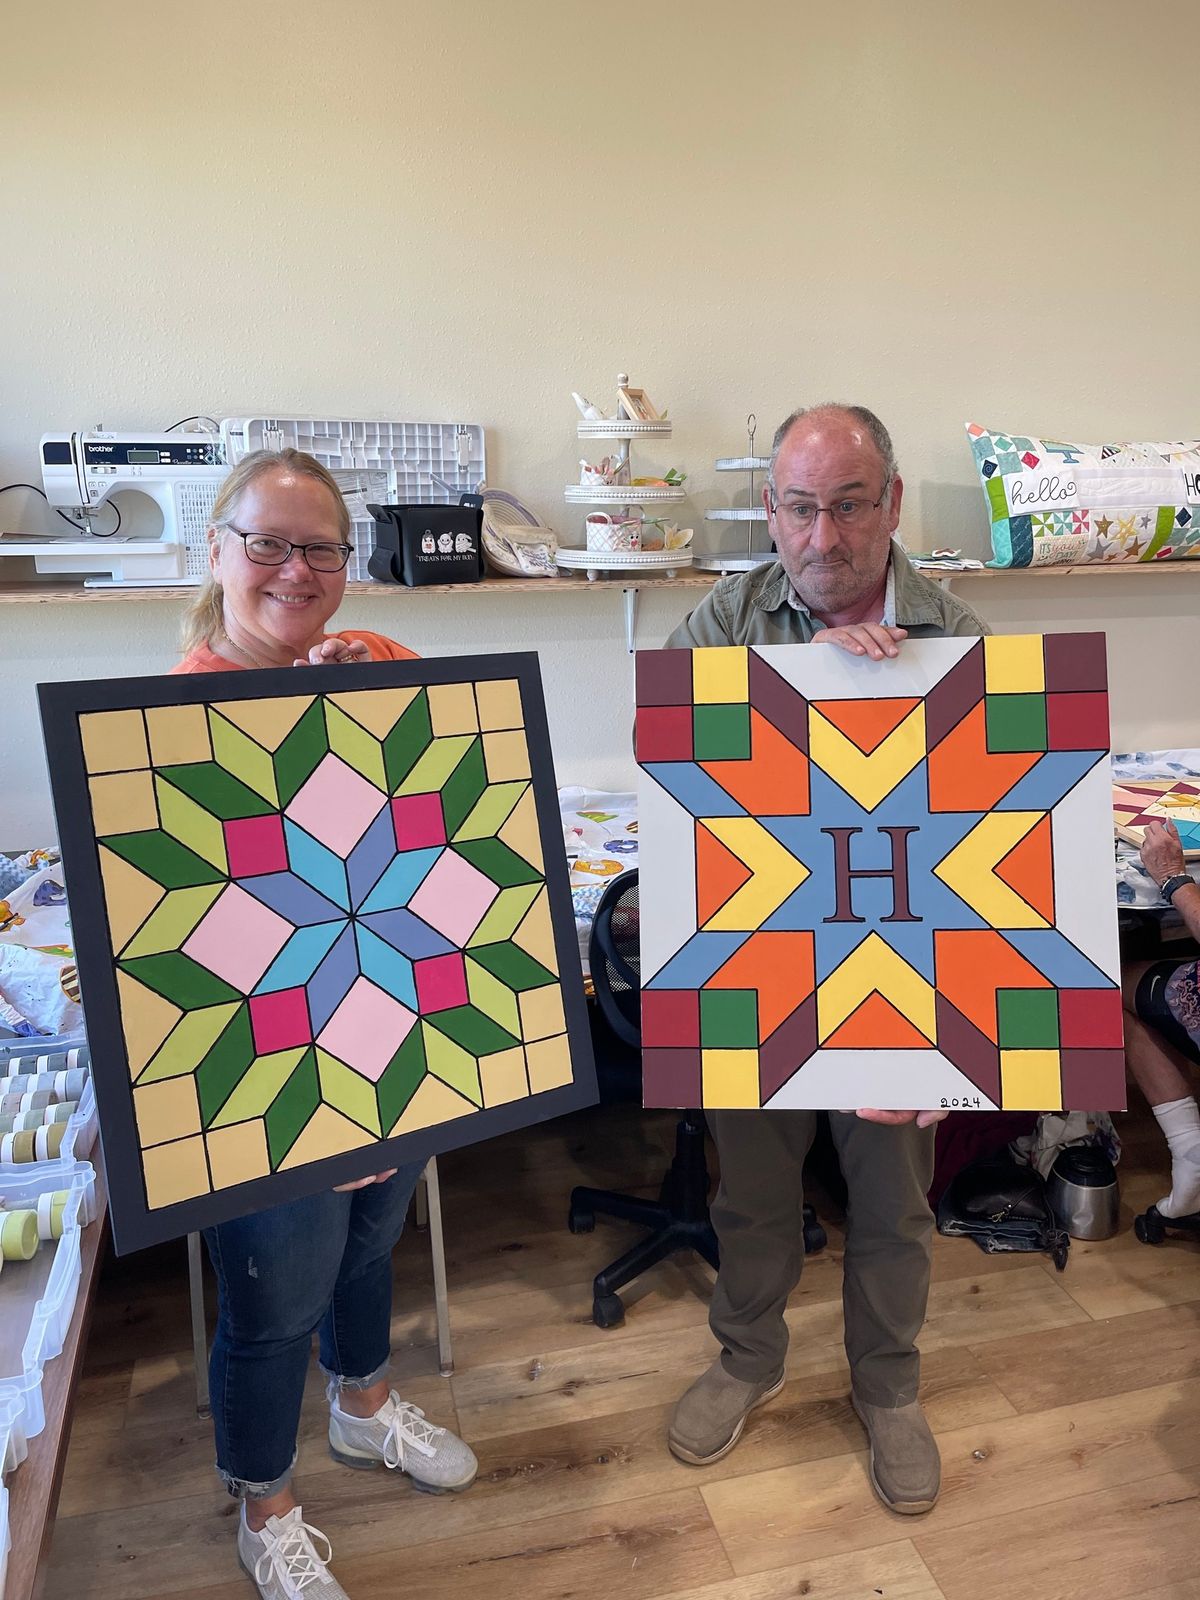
x: 37, y: 1298
x: 19, y: 1055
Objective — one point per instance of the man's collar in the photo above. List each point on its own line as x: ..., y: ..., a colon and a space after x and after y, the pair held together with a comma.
x: 913, y: 604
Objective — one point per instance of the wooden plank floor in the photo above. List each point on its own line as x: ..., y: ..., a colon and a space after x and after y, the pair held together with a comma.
x: 1067, y: 1407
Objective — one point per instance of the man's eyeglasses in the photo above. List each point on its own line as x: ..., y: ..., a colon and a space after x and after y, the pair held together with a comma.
x: 266, y: 550
x: 847, y: 513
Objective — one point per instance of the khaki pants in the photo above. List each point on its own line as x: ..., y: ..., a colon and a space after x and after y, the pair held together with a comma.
x: 757, y: 1214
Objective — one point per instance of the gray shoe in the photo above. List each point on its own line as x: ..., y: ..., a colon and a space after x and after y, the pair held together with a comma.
x: 285, y: 1560
x: 708, y: 1420
x: 906, y: 1469
x: 401, y: 1437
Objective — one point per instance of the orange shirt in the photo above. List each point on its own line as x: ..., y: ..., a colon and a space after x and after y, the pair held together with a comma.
x: 204, y: 659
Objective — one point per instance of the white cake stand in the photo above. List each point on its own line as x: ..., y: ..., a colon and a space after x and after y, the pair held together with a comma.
x: 753, y: 511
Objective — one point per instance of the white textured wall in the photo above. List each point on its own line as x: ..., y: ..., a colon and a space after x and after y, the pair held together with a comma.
x: 409, y: 210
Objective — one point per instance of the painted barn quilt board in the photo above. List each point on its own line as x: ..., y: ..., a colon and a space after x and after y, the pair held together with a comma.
x: 323, y: 922
x: 879, y: 884
x: 1175, y: 800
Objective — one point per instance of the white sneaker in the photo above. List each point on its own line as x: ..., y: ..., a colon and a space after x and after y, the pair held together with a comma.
x: 283, y: 1559
x: 398, y: 1436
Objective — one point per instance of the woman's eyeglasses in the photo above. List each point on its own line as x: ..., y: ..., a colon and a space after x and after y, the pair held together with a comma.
x: 267, y: 550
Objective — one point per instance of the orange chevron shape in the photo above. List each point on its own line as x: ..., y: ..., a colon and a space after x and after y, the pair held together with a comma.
x: 774, y: 781
x: 866, y: 723
x: 971, y: 964
x: 719, y: 874
x: 965, y: 776
x: 1028, y: 870
x: 780, y: 966
x: 877, y: 1025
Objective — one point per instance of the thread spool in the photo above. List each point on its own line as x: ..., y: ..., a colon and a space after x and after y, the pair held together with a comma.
x: 47, y: 1141
x: 50, y: 1210
x: 22, y: 1082
x: 62, y: 1112
x: 18, y: 1147
x: 19, y: 1236
x: 36, y: 1100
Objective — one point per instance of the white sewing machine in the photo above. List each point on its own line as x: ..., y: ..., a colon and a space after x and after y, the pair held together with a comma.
x: 182, y: 472
x: 179, y: 472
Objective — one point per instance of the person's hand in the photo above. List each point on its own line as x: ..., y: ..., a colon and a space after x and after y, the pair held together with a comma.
x: 900, y: 1119
x: 365, y: 1183
x: 1161, y: 852
x: 873, y: 639
x: 332, y: 651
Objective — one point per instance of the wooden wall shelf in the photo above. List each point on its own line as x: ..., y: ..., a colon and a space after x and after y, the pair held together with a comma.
x: 57, y: 593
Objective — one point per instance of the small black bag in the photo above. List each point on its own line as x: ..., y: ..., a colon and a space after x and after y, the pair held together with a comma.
x: 421, y: 544
x: 1001, y: 1204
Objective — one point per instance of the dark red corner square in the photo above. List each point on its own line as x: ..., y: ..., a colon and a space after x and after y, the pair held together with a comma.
x: 664, y: 733
x: 1093, y: 1080
x: 663, y: 677
x: 671, y: 1078
x: 1090, y: 1019
x: 1077, y: 721
x: 1076, y: 663
x: 670, y: 1018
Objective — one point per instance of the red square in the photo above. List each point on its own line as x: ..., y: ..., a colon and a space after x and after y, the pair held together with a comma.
x: 1077, y: 722
x: 670, y: 1019
x: 255, y: 846
x: 441, y: 983
x: 664, y: 733
x: 1090, y: 1019
x: 418, y: 820
x: 279, y: 1021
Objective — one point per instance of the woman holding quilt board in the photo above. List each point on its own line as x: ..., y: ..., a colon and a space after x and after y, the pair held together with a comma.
x: 278, y: 548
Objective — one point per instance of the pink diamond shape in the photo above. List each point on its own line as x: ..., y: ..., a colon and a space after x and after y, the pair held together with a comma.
x: 441, y: 983
x: 367, y: 1029
x: 453, y: 897
x: 280, y: 1020
x: 1030, y: 459
x: 419, y: 821
x: 337, y: 805
x: 238, y: 938
x: 255, y: 845
x: 974, y: 430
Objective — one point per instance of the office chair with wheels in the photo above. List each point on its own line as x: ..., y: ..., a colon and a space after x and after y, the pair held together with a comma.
x: 679, y: 1219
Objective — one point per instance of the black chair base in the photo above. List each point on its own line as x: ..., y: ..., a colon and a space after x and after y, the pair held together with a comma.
x: 678, y: 1220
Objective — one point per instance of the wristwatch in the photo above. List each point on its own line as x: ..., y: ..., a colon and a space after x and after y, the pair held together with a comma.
x: 1173, y: 885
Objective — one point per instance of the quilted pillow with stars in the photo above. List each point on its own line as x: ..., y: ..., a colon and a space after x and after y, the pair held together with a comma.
x: 1055, y: 504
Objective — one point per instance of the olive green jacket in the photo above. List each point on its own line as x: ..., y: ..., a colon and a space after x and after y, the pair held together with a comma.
x: 757, y: 608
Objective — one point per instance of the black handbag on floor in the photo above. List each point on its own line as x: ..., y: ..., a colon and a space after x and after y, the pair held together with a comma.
x: 1001, y: 1204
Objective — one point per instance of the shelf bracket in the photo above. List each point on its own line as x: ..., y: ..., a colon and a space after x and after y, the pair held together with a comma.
x: 630, y: 595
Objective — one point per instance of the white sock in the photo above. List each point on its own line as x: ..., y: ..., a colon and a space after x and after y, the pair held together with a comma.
x: 1180, y: 1123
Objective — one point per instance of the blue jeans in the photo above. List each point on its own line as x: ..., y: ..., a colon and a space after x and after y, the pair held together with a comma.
x: 322, y: 1263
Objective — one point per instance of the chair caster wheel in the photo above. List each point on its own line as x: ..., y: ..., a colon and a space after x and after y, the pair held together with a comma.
x: 608, y: 1311
x: 1149, y: 1227
x: 815, y: 1239
x: 581, y: 1222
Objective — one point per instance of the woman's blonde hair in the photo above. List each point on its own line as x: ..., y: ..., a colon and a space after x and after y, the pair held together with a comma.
x: 204, y: 618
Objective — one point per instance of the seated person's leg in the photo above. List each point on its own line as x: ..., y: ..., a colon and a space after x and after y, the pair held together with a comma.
x: 1162, y: 1025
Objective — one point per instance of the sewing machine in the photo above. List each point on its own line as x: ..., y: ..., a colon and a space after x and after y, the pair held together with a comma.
x: 81, y: 471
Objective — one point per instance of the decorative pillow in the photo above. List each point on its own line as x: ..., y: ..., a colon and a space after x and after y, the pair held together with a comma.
x: 1052, y: 503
